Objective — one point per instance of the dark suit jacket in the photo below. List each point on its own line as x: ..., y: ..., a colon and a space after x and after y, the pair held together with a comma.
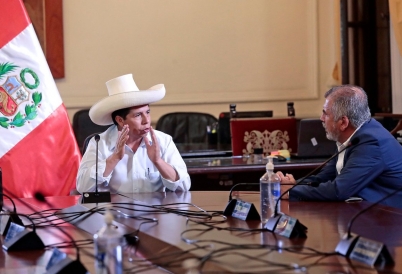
x: 372, y: 169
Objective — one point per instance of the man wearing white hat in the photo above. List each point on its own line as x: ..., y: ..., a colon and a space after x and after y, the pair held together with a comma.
x: 132, y: 156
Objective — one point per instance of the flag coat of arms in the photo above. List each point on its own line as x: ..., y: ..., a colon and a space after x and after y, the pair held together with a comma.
x: 38, y: 151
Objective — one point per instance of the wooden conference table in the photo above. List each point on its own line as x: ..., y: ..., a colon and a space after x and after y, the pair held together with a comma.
x: 224, y: 247
x: 212, y: 167
x: 221, y: 173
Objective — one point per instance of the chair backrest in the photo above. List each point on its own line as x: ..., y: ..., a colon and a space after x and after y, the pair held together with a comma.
x: 186, y: 127
x: 392, y: 122
x: 83, y: 126
x: 86, y: 142
x: 224, y: 122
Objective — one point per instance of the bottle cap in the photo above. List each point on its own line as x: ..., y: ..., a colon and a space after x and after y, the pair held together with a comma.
x: 270, y: 164
x: 108, y: 217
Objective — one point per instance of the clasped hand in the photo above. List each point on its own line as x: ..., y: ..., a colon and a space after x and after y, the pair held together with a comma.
x: 287, y: 181
x: 153, y: 149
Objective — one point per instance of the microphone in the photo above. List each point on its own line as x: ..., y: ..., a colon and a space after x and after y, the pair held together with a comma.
x: 233, y: 202
x: 362, y: 249
x: 96, y: 197
x: 248, y: 210
x: 58, y: 264
x: 239, y: 184
x: 353, y: 142
x: 7, y: 217
x: 97, y: 138
x: 18, y: 238
x: 273, y: 221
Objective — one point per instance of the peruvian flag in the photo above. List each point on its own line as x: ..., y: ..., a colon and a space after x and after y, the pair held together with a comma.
x: 38, y: 151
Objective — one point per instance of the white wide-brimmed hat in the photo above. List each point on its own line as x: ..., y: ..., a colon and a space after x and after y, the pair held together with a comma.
x: 123, y: 93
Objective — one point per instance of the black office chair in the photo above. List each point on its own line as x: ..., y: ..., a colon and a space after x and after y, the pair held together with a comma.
x: 86, y: 142
x: 186, y: 127
x: 224, y: 122
x: 392, y: 122
x: 83, y: 126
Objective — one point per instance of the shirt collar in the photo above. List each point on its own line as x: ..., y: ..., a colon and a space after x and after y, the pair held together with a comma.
x: 346, y: 143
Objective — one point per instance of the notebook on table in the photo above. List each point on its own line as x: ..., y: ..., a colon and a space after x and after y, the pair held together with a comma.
x: 312, y: 140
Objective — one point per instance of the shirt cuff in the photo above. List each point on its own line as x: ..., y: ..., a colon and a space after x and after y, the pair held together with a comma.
x: 101, y: 170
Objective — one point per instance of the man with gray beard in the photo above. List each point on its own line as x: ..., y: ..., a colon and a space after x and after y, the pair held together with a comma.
x: 370, y: 168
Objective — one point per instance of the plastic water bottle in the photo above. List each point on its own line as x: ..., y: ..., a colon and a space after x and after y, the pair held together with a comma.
x: 108, y: 248
x: 270, y: 191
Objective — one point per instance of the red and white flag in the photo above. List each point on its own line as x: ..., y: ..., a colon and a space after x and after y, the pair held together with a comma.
x: 38, y: 151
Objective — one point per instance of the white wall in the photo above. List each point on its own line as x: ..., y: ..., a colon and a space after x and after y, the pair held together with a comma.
x: 258, y: 54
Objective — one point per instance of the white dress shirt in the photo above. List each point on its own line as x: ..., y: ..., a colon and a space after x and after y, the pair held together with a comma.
x: 341, y: 156
x: 135, y: 172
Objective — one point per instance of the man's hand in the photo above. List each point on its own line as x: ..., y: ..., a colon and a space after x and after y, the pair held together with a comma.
x: 153, y: 150
x: 118, y: 153
x: 287, y: 181
x: 121, y: 142
x: 154, y: 154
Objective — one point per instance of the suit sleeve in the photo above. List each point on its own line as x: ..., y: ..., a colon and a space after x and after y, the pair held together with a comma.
x: 363, y: 163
